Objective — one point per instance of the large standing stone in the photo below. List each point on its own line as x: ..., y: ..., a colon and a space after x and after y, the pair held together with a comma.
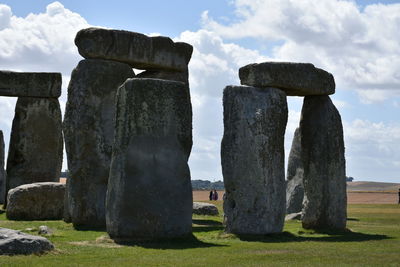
x: 36, y: 145
x: 150, y: 194
x: 37, y: 201
x: 296, y: 79
x: 135, y: 49
x: 322, y: 150
x: 30, y: 84
x: 89, y: 132
x: 2, y: 171
x: 295, y: 171
x: 14, y: 242
x: 252, y: 156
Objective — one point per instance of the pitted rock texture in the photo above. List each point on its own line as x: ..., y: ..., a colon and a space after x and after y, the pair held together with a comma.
x: 296, y: 79
x: 201, y: 208
x: 30, y: 84
x: 180, y: 76
x: 149, y: 193
x: 89, y: 124
x: 135, y: 49
x: 295, y: 171
x: 37, y: 201
x: 2, y: 171
x: 14, y: 242
x: 36, y: 145
x: 252, y: 157
x: 322, y: 150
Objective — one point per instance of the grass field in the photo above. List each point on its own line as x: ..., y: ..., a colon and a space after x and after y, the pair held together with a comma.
x: 373, y: 240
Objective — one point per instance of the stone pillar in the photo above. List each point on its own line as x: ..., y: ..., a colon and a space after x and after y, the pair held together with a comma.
x: 149, y: 194
x: 2, y: 171
x: 322, y: 151
x: 252, y: 155
x: 89, y: 133
x: 36, y: 145
x: 295, y: 171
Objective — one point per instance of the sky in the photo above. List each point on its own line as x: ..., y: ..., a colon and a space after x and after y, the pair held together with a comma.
x: 357, y: 41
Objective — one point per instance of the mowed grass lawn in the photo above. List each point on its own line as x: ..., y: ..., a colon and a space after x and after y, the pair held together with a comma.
x: 374, y: 240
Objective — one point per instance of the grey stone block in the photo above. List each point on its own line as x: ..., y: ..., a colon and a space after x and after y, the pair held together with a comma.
x: 37, y: 201
x: 295, y: 171
x: 36, y: 145
x: 135, y: 49
x: 89, y: 133
x: 150, y: 193
x: 322, y: 150
x: 252, y: 157
x: 30, y: 84
x: 296, y: 79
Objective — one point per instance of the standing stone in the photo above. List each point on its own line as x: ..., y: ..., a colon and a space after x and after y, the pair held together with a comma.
x: 322, y: 150
x: 36, y: 146
x: 89, y: 132
x: 30, y: 84
x: 2, y: 171
x: 296, y: 79
x: 252, y: 156
x: 295, y: 171
x: 150, y: 193
x: 135, y: 49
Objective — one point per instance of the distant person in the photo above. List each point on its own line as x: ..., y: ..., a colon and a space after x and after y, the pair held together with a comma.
x: 211, y: 197
x: 215, y: 195
x: 399, y: 195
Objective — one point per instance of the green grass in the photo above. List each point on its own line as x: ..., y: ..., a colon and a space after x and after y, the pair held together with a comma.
x: 374, y: 240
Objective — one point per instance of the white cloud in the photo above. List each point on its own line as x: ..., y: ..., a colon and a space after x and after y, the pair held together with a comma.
x: 371, y: 147
x: 41, y: 42
x: 361, y: 47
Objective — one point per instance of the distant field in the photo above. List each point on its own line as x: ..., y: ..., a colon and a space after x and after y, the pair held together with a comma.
x: 372, y: 186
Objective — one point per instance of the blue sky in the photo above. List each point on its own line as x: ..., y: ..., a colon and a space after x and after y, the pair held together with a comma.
x: 357, y: 41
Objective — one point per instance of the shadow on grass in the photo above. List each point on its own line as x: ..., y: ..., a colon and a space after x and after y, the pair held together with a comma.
x: 206, y: 226
x: 178, y: 243
x: 90, y: 228
x: 333, y: 236
x: 353, y: 219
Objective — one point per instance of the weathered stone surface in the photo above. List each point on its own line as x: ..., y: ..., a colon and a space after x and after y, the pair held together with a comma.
x: 322, y: 150
x: 252, y: 157
x: 180, y: 76
x: 30, y: 84
x: 296, y: 79
x: 89, y: 124
x: 2, y: 171
x: 149, y: 193
x: 44, y: 230
x: 36, y: 146
x: 135, y: 49
x: 295, y: 171
x: 293, y: 216
x: 201, y: 208
x: 37, y: 201
x: 14, y: 242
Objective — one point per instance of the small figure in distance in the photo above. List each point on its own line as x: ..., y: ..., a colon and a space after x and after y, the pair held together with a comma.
x: 399, y: 195
x: 211, y: 197
x: 215, y: 194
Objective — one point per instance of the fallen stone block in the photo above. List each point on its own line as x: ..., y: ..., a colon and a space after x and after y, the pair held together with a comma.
x: 293, y: 216
x: 37, y: 201
x: 30, y: 84
x: 14, y: 242
x: 135, y: 49
x: 201, y: 208
x: 296, y: 79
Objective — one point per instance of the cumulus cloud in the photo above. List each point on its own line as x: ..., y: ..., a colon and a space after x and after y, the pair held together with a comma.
x: 41, y: 42
x: 360, y: 46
